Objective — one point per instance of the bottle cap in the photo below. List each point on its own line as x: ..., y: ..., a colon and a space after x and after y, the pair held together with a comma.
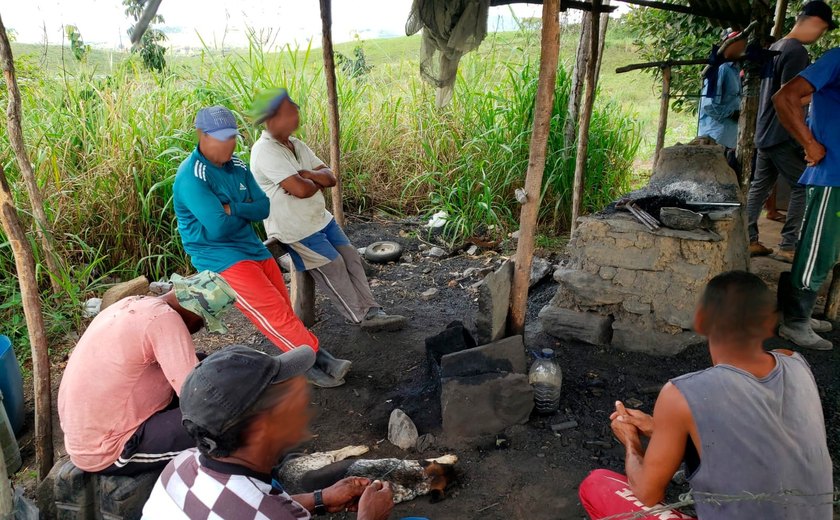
x: 548, y: 353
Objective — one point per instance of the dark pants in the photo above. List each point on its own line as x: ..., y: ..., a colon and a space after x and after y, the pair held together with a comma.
x: 157, y: 441
x: 788, y: 160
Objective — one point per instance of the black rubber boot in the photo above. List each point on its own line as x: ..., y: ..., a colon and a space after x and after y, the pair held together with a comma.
x: 796, y: 306
x: 319, y: 378
x: 332, y: 366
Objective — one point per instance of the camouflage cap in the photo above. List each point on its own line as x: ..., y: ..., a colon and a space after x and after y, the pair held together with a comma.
x: 205, y: 294
x: 267, y: 102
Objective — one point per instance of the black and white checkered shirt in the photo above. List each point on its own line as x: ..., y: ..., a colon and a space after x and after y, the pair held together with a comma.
x: 197, y: 488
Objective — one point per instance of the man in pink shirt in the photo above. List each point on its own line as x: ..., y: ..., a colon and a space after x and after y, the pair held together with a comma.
x: 117, y: 399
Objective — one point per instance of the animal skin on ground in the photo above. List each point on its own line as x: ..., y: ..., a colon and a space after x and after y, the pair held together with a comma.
x: 409, y: 479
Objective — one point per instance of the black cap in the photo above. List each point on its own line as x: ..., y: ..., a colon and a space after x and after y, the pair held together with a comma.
x: 223, y: 386
x: 821, y: 10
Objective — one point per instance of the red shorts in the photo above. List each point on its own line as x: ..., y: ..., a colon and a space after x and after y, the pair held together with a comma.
x: 262, y: 296
x: 606, y: 493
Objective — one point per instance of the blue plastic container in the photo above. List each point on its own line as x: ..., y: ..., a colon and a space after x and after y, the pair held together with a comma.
x: 11, y: 385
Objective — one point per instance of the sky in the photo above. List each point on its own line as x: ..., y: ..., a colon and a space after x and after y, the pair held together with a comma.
x: 103, y: 23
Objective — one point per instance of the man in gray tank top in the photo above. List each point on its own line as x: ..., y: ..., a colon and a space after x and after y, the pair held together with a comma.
x: 750, y: 429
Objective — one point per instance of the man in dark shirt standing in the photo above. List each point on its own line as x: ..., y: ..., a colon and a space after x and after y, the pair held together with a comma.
x: 777, y: 152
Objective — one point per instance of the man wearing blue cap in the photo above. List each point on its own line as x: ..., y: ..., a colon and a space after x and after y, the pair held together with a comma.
x: 294, y: 179
x: 217, y: 200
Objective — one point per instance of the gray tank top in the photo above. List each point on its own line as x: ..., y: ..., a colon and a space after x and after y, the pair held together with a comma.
x: 760, y: 436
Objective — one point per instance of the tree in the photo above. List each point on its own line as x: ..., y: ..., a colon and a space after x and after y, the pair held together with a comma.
x: 150, y: 49
x: 77, y: 44
x: 665, y: 35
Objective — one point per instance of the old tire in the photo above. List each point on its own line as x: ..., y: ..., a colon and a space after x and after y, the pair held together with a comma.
x: 383, y: 252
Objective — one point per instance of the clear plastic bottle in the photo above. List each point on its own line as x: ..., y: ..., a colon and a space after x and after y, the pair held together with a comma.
x: 546, y: 378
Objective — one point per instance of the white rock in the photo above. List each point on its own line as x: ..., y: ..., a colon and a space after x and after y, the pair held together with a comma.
x: 91, y: 307
x: 473, y: 250
x: 361, y: 250
x: 401, y: 430
x: 436, y: 252
x: 438, y: 220
x: 428, y: 294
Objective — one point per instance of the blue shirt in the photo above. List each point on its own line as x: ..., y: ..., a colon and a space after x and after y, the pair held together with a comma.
x: 824, y: 76
x: 716, y: 113
x: 213, y: 239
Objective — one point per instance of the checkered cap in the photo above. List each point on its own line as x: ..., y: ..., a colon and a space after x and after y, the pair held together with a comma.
x: 203, y: 494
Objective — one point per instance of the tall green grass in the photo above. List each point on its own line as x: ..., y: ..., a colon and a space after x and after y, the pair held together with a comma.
x: 106, y: 147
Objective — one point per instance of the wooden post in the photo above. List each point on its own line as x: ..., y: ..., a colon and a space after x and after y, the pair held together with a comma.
x: 664, y: 104
x: 6, y: 499
x: 25, y: 266
x: 549, y: 50
x: 303, y: 296
x: 332, y: 102
x: 832, y: 301
x: 578, y: 73
x: 750, y: 92
x: 13, y: 125
x: 586, y: 117
x: 602, y: 38
x: 779, y: 25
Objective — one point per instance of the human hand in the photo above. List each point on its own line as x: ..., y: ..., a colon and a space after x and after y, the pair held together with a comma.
x: 625, y: 431
x: 226, y: 207
x: 344, y: 494
x: 377, y: 501
x: 814, y: 153
x: 637, y: 418
x: 306, y: 174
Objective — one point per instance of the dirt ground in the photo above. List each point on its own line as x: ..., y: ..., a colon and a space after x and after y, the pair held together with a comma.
x: 534, y: 477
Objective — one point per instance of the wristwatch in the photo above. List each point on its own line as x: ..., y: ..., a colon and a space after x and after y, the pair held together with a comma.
x: 320, y: 508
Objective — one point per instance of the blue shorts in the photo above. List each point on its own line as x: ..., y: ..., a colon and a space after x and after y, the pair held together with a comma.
x: 318, y: 249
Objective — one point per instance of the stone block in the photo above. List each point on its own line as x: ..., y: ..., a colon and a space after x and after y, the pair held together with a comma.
x: 123, y: 498
x: 624, y: 257
x: 633, y: 337
x: 485, y: 404
x: 588, y: 288
x: 678, y: 218
x: 569, y: 325
x: 607, y: 272
x: 136, y: 287
x: 493, y: 304
x: 540, y: 268
x: 636, y: 307
x: 507, y: 355
x: 402, y: 432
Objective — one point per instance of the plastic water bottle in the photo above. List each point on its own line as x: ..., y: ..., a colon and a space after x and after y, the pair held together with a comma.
x: 546, y: 379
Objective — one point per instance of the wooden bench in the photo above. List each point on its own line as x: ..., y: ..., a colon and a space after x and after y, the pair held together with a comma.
x: 302, y: 291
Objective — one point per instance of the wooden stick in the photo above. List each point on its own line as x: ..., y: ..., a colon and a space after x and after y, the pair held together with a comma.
x: 585, y: 120
x: 549, y: 51
x: 25, y: 266
x: 660, y: 64
x: 663, y: 113
x: 15, y: 130
x: 832, y: 301
x: 332, y: 102
x: 578, y: 74
x: 6, y: 499
x: 779, y: 25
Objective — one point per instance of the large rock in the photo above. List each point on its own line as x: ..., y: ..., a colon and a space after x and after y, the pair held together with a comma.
x: 402, y: 432
x: 569, y: 325
x: 700, y: 164
x: 136, y: 287
x: 632, y: 337
x: 493, y: 304
x: 485, y: 404
x: 507, y: 355
x: 540, y: 268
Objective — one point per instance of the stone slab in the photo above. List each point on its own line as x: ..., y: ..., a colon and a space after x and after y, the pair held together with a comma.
x: 136, y: 287
x: 569, y: 325
x: 507, y: 355
x: 540, y: 268
x: 485, y: 404
x: 590, y: 289
x: 493, y: 304
x: 632, y: 337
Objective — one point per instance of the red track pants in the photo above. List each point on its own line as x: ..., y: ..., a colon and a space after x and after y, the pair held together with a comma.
x: 262, y: 296
x: 605, y: 493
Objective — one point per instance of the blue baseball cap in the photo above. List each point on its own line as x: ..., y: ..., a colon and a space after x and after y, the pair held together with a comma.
x: 267, y: 102
x: 218, y: 122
